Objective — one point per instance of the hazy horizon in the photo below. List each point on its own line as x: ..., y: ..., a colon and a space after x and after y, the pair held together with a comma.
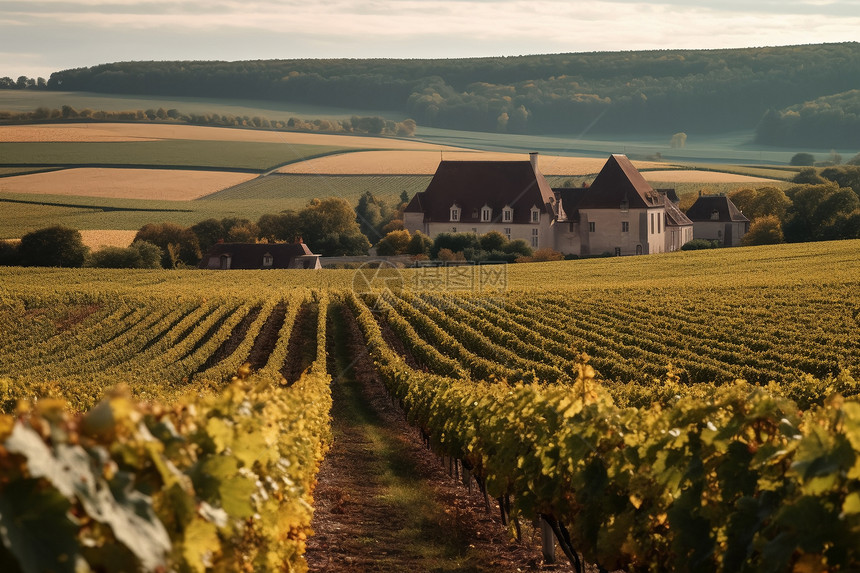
x: 42, y: 37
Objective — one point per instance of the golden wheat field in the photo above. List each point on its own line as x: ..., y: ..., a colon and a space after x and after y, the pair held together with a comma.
x: 79, y: 133
x: 160, y: 184
x: 401, y: 162
x: 695, y: 176
x: 100, y: 132
x: 103, y: 238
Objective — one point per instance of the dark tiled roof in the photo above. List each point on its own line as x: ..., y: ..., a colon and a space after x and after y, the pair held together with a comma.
x: 571, y: 198
x: 473, y: 184
x: 674, y: 216
x: 617, y: 182
x: 250, y: 255
x: 715, y: 208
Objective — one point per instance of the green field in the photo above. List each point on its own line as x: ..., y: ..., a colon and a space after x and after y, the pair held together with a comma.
x: 14, y: 100
x: 301, y: 188
x: 242, y: 155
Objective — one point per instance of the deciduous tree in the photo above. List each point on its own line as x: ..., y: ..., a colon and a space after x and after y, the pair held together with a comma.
x: 394, y: 243
x: 55, y: 246
x: 179, y: 245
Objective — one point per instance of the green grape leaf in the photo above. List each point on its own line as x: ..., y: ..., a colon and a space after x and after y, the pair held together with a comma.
x: 35, y: 528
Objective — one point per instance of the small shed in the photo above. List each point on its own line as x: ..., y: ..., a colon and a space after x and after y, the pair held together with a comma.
x: 249, y: 256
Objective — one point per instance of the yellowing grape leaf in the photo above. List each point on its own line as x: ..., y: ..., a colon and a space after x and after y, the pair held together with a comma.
x: 851, y: 506
x: 221, y: 433
x: 200, y: 545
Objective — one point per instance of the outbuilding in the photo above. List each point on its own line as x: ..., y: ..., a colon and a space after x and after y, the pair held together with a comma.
x: 248, y: 256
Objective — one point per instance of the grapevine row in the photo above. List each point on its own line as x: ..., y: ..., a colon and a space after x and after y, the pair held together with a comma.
x: 739, y: 481
x: 228, y: 477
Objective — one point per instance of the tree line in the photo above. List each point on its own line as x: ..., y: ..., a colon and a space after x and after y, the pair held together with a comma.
x: 372, y: 125
x: 23, y: 83
x: 665, y: 91
x: 823, y: 205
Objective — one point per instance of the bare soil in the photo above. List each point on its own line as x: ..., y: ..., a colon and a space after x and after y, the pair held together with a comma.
x: 267, y: 339
x: 384, y: 502
x: 302, y: 346
x: 233, y: 341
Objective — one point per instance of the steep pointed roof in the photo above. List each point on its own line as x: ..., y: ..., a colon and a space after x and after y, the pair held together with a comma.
x: 715, y: 208
x: 473, y: 184
x: 618, y: 182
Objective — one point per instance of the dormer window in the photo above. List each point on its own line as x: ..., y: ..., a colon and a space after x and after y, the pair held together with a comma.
x: 267, y: 260
x: 507, y: 214
x: 535, y: 218
x: 715, y: 215
x: 625, y: 206
x: 486, y: 214
x: 455, y: 212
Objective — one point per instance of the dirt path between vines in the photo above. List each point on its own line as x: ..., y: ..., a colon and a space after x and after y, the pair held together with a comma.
x: 384, y: 502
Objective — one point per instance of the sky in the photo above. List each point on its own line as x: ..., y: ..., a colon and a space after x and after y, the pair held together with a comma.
x: 40, y: 37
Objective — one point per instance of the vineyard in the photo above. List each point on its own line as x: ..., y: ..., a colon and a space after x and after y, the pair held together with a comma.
x: 692, y: 412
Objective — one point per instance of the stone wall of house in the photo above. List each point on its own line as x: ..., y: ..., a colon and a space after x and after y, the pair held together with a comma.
x: 729, y: 234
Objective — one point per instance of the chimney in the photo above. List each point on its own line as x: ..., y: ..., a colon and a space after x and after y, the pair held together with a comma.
x: 533, y: 158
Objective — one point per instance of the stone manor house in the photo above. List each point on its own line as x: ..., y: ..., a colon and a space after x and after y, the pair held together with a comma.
x: 618, y: 214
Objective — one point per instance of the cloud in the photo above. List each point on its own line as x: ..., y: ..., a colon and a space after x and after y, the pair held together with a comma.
x: 87, y: 32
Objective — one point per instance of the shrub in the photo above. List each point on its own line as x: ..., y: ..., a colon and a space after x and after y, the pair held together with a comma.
x: 9, y: 256
x: 420, y: 244
x: 55, y: 246
x: 802, y: 159
x: 140, y: 255
x: 697, y: 244
x: 519, y: 247
x: 541, y: 255
x: 454, y: 242
x: 394, y: 243
x: 764, y: 231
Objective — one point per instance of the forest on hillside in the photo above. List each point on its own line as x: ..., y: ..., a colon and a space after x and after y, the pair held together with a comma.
x: 832, y: 121
x: 667, y: 91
